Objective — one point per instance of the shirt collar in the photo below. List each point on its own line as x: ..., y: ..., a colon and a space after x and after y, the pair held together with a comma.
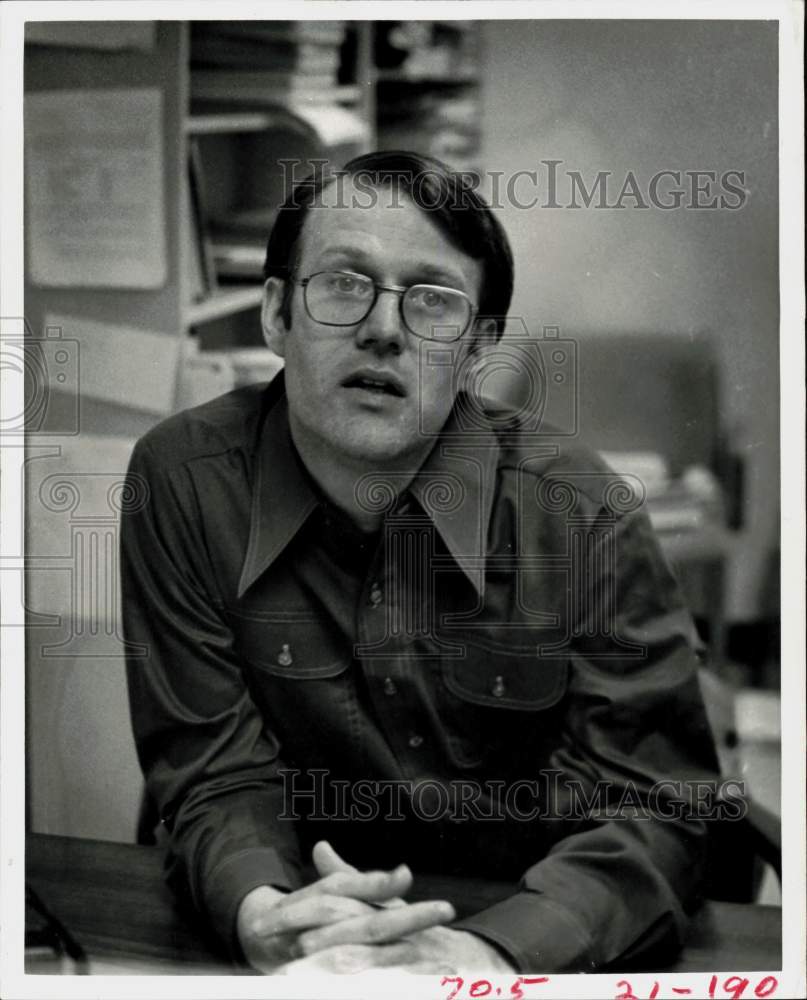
x: 282, y: 497
x: 454, y: 486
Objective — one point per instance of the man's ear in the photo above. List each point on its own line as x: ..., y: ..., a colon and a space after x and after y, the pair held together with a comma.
x: 272, y: 323
x: 484, y: 333
x: 483, y: 338
x: 483, y: 341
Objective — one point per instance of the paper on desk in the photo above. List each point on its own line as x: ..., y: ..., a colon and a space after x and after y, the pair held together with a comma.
x: 124, y: 365
x: 95, y: 188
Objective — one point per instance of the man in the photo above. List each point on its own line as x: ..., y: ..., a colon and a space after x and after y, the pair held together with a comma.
x: 352, y: 580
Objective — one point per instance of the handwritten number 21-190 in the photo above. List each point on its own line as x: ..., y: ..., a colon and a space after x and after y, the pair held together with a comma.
x: 733, y: 987
x: 484, y: 988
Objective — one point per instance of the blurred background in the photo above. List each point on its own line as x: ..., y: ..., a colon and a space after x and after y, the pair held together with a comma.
x: 157, y: 155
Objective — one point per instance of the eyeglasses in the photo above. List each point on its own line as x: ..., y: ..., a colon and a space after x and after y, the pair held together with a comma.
x: 343, y: 298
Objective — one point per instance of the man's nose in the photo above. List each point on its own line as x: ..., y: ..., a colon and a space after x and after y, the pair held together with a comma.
x: 383, y: 326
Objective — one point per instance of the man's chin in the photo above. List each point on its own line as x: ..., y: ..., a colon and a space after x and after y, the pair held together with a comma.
x: 380, y: 448
x: 381, y: 453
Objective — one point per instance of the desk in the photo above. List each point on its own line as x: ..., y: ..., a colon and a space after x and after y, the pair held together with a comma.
x: 113, y: 900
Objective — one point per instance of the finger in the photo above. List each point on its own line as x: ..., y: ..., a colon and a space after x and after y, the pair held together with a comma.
x: 352, y: 959
x: 372, y: 887
x: 327, y: 861
x: 300, y: 914
x: 389, y: 903
x: 379, y: 927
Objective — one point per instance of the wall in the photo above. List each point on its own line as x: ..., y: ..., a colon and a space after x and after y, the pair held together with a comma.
x: 647, y: 96
x: 82, y: 773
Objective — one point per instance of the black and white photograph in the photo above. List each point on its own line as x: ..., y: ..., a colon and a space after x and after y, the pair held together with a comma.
x: 402, y: 550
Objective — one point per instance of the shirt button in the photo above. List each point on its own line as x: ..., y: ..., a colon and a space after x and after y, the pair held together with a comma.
x: 376, y: 595
x: 415, y: 741
x: 498, y: 687
x: 389, y: 687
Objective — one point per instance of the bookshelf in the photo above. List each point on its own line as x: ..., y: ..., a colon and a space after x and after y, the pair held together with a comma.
x: 258, y: 93
x: 428, y: 88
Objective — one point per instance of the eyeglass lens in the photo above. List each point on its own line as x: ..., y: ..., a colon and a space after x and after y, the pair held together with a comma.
x: 339, y: 299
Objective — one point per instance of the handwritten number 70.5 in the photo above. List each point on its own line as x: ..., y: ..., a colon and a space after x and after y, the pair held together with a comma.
x: 484, y: 988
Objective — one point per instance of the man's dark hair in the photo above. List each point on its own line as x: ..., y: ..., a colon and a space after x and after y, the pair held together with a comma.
x: 449, y: 198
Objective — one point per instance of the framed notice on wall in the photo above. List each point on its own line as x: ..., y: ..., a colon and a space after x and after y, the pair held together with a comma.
x: 94, y: 169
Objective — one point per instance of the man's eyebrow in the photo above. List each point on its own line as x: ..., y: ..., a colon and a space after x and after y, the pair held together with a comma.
x: 417, y: 271
x: 353, y: 253
x: 440, y: 275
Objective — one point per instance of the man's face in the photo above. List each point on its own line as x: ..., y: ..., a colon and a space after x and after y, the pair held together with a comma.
x: 331, y: 371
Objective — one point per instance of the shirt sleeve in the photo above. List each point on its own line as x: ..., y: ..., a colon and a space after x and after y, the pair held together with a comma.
x: 636, y: 762
x: 211, y: 765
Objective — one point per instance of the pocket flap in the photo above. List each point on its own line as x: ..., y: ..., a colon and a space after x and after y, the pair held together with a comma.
x: 290, y: 646
x: 506, y: 680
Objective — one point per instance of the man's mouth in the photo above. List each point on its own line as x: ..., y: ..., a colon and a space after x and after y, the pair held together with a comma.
x: 381, y: 383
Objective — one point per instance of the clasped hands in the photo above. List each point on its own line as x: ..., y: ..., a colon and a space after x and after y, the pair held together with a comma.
x: 350, y: 921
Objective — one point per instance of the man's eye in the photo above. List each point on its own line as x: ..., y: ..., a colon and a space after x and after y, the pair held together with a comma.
x: 428, y: 298
x: 344, y: 284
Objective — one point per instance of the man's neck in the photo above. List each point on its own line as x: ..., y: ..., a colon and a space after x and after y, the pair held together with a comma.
x: 339, y: 475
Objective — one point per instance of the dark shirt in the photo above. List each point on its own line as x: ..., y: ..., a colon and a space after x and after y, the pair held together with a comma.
x: 508, y: 659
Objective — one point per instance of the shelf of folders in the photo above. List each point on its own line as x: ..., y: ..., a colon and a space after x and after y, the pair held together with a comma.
x: 280, y: 61
x: 429, y: 88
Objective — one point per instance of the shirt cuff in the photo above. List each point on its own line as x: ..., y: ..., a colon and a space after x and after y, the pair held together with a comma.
x: 233, y: 878
x: 536, y: 933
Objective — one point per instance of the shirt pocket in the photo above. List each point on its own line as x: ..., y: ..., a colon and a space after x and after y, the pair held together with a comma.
x: 297, y: 671
x: 497, y: 676
x: 288, y: 645
x: 497, y: 697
